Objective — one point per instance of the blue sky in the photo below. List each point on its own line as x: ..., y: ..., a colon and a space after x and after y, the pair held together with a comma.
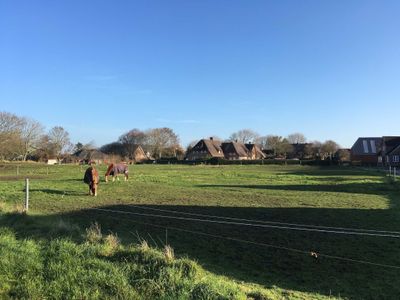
x: 328, y: 69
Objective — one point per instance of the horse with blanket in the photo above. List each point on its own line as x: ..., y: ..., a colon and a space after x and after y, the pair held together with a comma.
x: 92, y: 179
x: 115, y: 169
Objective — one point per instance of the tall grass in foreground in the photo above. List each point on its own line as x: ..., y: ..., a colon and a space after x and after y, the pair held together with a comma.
x: 103, y: 269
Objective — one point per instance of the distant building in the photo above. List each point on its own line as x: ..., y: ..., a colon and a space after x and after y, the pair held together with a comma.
x: 52, y: 161
x: 389, y: 154
x: 235, y: 151
x: 255, y: 151
x: 205, y: 149
x: 366, y: 149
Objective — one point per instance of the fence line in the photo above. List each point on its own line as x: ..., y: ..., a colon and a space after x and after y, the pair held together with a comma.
x: 308, y: 253
x: 250, y: 224
x: 264, y: 222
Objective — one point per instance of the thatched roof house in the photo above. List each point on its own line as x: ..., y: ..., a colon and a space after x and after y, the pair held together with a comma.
x: 235, y: 151
x: 204, y: 149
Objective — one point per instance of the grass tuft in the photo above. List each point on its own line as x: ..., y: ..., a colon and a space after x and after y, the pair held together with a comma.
x: 169, y: 253
x: 93, y: 233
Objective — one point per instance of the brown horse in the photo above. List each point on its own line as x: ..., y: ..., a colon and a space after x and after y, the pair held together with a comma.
x: 92, y: 179
x: 116, y: 169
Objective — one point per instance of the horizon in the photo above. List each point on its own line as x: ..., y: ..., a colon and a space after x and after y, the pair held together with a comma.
x: 327, y: 70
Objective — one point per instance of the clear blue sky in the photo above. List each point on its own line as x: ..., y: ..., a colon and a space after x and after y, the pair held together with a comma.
x: 328, y: 69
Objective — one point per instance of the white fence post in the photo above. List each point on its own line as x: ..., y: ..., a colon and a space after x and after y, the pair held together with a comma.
x: 26, y: 194
x: 394, y: 173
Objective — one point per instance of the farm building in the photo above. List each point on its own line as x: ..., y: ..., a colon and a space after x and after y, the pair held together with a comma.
x: 382, y: 151
x: 365, y: 150
x: 204, y: 149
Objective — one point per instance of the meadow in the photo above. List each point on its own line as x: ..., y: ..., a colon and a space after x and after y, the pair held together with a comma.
x: 211, y: 217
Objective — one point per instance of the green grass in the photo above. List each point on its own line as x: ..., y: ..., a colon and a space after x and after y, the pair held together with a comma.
x: 342, y: 197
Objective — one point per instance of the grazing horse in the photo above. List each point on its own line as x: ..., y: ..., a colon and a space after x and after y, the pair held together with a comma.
x: 92, y: 179
x: 116, y: 169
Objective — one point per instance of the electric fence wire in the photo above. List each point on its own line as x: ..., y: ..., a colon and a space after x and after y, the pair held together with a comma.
x: 251, y: 224
x: 312, y: 253
x: 264, y: 222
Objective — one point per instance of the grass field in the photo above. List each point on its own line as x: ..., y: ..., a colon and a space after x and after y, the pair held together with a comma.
x: 335, y: 197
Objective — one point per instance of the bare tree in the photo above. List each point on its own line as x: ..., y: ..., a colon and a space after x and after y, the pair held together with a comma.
x: 131, y: 139
x: 160, y: 139
x: 296, y: 138
x: 316, y: 149
x: 31, y: 133
x: 329, y: 148
x: 59, y: 139
x: 278, y: 144
x: 244, y: 136
x: 10, y: 135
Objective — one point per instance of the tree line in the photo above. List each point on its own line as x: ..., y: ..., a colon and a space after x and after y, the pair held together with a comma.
x: 23, y: 138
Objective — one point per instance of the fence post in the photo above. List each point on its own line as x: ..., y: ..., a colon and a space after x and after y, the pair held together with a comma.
x: 26, y: 194
x: 390, y: 170
x: 394, y: 173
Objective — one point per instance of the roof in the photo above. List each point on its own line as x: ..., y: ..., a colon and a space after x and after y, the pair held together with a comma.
x: 236, y: 148
x: 395, y: 151
x: 367, y: 146
x: 211, y: 146
x: 257, y: 149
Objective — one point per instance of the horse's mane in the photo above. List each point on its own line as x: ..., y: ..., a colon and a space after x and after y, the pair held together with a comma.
x: 110, y: 167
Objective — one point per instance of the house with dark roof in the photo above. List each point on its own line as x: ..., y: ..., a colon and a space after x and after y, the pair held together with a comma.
x: 392, y: 158
x: 205, y: 149
x: 235, y: 151
x: 382, y: 151
x: 366, y: 149
x: 389, y: 154
x: 255, y: 151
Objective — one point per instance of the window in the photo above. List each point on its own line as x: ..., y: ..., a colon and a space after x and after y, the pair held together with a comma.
x: 373, y: 146
x: 365, y: 145
x: 395, y: 158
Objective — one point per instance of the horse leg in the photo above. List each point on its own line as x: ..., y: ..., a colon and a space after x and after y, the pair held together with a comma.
x: 90, y: 189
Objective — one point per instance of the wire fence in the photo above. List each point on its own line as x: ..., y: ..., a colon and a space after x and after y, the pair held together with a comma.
x: 312, y: 252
